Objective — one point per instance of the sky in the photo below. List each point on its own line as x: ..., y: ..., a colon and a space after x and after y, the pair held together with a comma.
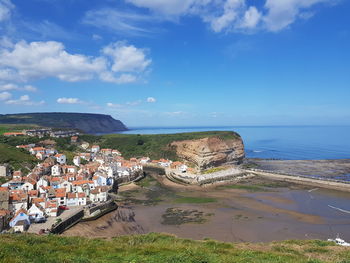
x: 178, y: 62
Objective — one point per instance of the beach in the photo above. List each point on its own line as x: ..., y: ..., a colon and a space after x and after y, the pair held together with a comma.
x: 255, y: 210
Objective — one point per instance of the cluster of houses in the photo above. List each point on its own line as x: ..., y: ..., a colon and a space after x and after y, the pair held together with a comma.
x: 53, y: 185
x: 43, y: 133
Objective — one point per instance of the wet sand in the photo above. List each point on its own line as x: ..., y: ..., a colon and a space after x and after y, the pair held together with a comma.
x: 265, y: 213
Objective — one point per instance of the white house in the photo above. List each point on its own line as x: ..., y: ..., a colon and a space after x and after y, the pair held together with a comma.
x: 145, y: 160
x: 28, y: 186
x: 61, y: 158
x: 100, y: 179
x: 72, y: 199
x: 77, y: 160
x: 99, y: 194
x: 51, y: 208
x: 61, y: 198
x: 67, y: 185
x: 36, y: 211
x: 42, y: 182
x: 81, y: 199
x: 56, y: 170
x: 95, y: 148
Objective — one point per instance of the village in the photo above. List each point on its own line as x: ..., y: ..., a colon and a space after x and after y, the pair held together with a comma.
x: 55, y: 188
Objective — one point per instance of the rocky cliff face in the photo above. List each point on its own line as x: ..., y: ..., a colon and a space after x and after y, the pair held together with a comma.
x: 210, y: 152
x: 86, y: 122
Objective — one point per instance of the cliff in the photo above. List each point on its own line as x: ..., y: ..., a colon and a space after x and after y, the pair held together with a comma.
x: 86, y: 122
x: 211, y: 151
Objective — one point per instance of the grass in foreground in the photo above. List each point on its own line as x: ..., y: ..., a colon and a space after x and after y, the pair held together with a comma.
x: 160, y: 248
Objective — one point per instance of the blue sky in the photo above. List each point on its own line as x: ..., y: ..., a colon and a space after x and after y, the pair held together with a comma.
x: 179, y: 62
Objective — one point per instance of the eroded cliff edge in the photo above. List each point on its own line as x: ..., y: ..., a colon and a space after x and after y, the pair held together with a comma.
x: 211, y: 151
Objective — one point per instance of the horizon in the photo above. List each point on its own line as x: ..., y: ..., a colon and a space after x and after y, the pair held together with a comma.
x: 150, y: 63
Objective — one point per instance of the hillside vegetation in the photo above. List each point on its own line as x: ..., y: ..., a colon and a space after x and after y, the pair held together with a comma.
x: 160, y: 248
x: 155, y: 146
x: 86, y: 122
x: 16, y: 158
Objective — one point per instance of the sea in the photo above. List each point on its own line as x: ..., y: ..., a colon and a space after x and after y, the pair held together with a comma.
x: 278, y: 142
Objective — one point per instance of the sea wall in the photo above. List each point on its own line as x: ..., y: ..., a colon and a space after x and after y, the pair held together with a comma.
x: 228, y: 175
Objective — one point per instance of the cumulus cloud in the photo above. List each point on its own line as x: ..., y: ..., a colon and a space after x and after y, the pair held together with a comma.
x: 151, y: 100
x: 281, y: 14
x: 24, y: 100
x: 6, y: 7
x: 118, y: 63
x: 233, y: 15
x: 69, y: 101
x: 127, y: 58
x: 5, y: 96
x: 11, y: 86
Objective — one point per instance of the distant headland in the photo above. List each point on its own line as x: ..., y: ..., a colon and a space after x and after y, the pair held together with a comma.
x: 85, y: 122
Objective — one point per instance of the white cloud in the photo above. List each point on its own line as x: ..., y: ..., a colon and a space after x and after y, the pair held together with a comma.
x: 169, y: 7
x: 118, y: 63
x: 11, y: 86
x: 69, y: 101
x: 5, y: 96
x: 231, y: 10
x: 117, y: 22
x: 5, y: 9
x: 234, y: 15
x: 48, y: 59
x: 127, y: 58
x: 251, y: 18
x: 24, y: 100
x: 281, y: 14
x: 114, y: 105
x: 151, y: 100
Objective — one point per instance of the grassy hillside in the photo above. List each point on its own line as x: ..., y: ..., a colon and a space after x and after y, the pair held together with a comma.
x: 155, y: 146
x: 86, y: 122
x: 16, y: 158
x: 159, y: 248
x: 15, y: 127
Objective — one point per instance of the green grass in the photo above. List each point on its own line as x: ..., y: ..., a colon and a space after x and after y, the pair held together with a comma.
x: 15, y: 127
x: 194, y: 200
x: 16, y: 158
x: 155, y: 248
x: 214, y: 170
x: 155, y: 146
x: 251, y: 188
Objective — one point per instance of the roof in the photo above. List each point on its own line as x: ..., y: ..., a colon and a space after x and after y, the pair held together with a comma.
x: 38, y: 200
x: 82, y: 182
x: 22, y: 210
x: 38, y: 149
x: 71, y: 195
x: 13, y: 133
x: 81, y: 195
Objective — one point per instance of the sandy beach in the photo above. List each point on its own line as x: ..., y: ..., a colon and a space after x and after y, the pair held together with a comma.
x: 255, y: 210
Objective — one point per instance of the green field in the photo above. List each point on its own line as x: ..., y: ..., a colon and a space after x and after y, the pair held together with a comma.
x: 15, y: 127
x: 160, y: 248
